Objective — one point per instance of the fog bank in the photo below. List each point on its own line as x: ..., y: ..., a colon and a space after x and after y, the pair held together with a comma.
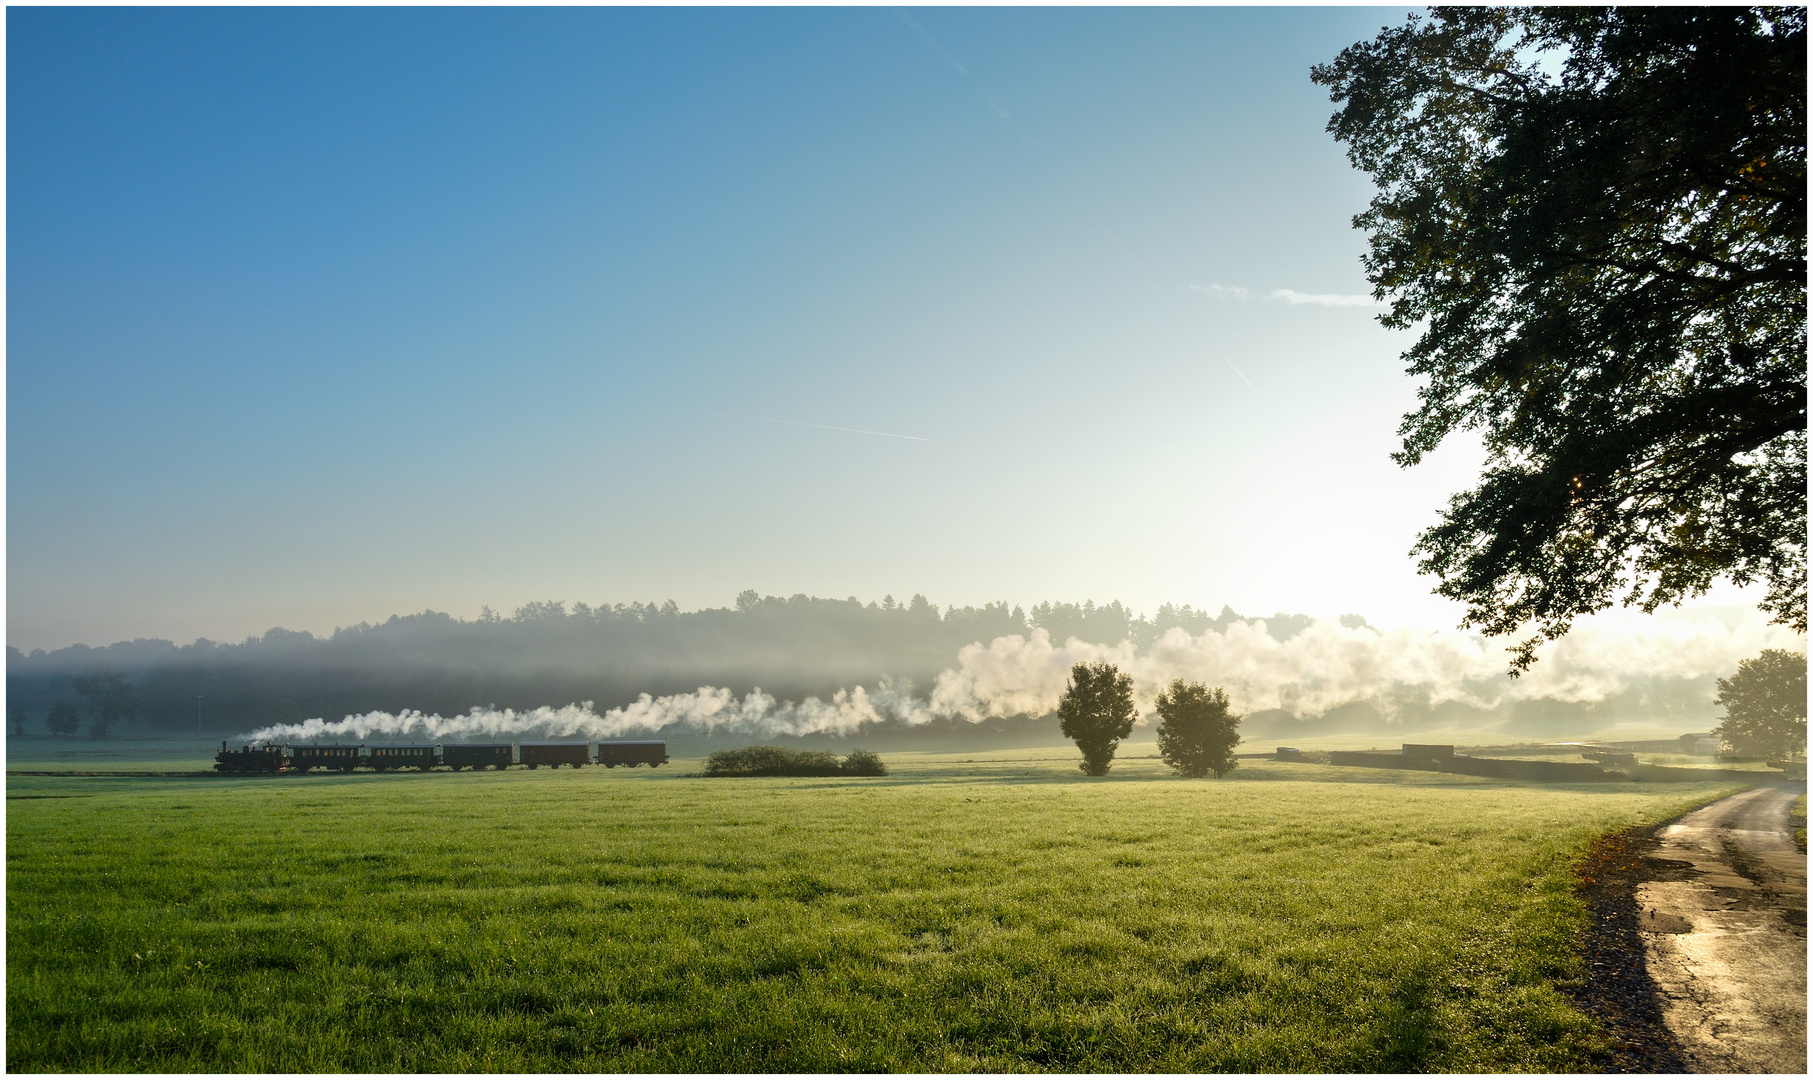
x: 1319, y: 666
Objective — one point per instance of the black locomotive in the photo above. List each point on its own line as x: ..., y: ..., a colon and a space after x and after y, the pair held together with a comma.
x: 456, y: 756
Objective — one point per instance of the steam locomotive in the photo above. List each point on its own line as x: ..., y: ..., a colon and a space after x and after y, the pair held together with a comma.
x: 272, y: 758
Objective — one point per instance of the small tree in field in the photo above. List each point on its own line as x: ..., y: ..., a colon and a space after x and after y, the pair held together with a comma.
x: 1197, y: 732
x: 1766, y: 705
x: 63, y: 718
x: 1097, y: 712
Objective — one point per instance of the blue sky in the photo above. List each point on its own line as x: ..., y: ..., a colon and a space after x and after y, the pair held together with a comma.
x: 314, y: 316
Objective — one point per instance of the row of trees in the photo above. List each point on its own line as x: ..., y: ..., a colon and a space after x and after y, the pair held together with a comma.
x: 793, y: 647
x: 109, y: 699
x: 1197, y: 730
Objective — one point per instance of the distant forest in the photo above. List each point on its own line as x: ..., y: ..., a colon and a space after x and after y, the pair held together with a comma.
x: 547, y: 654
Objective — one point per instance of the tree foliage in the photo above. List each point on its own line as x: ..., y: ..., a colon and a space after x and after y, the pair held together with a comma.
x: 1597, y: 217
x: 109, y: 697
x: 1097, y: 712
x: 63, y: 718
x: 864, y: 763
x: 1197, y: 731
x: 792, y: 647
x: 1766, y: 706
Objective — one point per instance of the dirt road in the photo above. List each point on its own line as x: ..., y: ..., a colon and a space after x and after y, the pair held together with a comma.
x: 1725, y: 934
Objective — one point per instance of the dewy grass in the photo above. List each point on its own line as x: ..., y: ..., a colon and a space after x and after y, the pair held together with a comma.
x: 1002, y: 913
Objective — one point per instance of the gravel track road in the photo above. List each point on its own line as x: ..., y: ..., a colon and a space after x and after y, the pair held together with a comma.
x: 1725, y: 934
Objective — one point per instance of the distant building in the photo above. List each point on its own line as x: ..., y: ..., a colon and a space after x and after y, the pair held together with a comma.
x: 1429, y: 751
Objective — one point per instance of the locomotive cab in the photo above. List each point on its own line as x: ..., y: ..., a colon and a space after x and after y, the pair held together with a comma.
x: 249, y: 759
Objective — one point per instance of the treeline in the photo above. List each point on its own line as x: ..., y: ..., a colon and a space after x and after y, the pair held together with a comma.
x: 548, y: 653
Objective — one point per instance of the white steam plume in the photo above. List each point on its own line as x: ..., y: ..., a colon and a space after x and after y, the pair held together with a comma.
x: 1328, y: 664
x: 708, y: 709
x: 1323, y: 666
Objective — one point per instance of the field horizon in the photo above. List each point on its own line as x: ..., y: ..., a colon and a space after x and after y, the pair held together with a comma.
x: 135, y: 749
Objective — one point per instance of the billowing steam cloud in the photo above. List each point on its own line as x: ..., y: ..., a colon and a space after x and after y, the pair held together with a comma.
x: 1328, y: 664
x: 708, y: 709
x: 1323, y: 666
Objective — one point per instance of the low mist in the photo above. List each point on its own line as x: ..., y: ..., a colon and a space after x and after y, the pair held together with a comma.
x: 1280, y: 672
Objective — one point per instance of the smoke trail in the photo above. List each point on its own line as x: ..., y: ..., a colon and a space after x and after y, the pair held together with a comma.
x: 1321, y: 667
x: 710, y: 709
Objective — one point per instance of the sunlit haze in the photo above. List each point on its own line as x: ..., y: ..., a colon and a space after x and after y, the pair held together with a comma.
x: 317, y: 316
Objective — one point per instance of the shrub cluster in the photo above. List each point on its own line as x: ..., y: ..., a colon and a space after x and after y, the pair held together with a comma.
x: 780, y: 761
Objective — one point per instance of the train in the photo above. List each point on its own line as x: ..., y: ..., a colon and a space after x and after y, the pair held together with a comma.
x: 283, y: 758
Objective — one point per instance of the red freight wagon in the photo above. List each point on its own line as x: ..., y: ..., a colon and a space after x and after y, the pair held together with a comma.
x: 471, y: 756
x: 556, y: 754
x: 652, y: 753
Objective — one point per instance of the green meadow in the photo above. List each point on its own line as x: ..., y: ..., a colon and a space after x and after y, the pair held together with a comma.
x: 995, y: 912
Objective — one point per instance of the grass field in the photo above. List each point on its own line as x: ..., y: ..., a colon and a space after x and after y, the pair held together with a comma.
x: 992, y: 912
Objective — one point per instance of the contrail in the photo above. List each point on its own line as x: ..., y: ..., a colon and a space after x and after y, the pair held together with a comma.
x: 1140, y: 266
x: 1242, y: 375
x: 931, y: 41
x: 832, y: 427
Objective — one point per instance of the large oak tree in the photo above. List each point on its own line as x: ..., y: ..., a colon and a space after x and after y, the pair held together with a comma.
x: 1766, y: 705
x: 1596, y: 217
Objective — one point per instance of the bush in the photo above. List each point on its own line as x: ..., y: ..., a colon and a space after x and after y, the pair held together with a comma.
x: 771, y: 761
x: 780, y: 761
x: 864, y: 763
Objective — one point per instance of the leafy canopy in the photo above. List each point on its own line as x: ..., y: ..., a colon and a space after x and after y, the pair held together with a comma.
x: 1597, y: 219
x: 1197, y: 731
x: 110, y: 698
x: 63, y: 719
x: 1766, y: 705
x: 1097, y: 712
